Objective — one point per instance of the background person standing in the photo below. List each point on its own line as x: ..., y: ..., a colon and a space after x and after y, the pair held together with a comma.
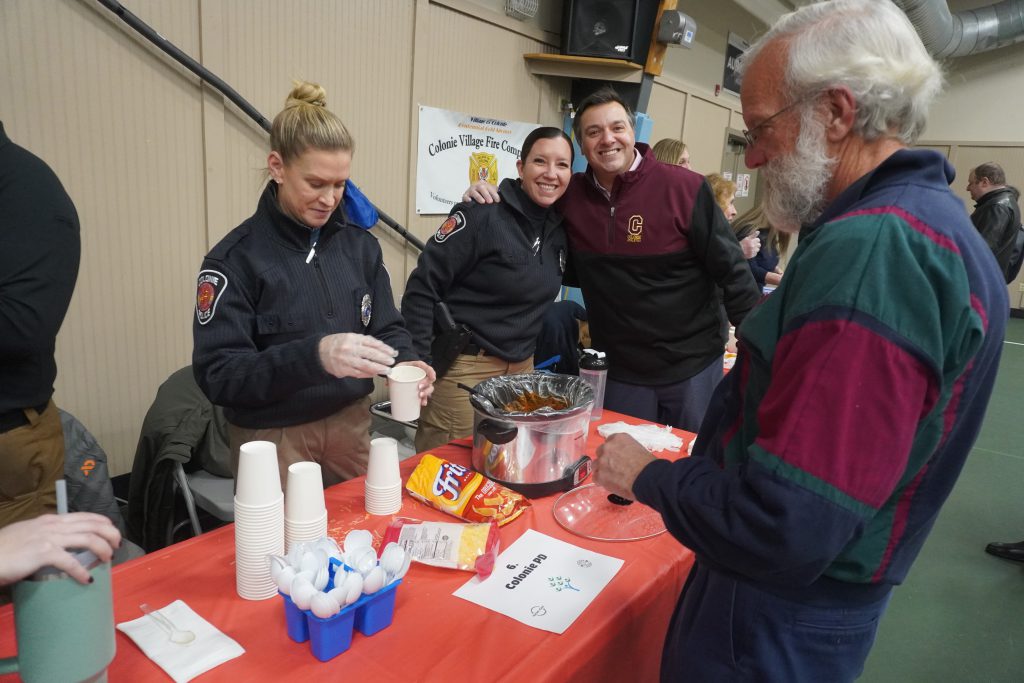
x: 39, y: 257
x: 996, y: 212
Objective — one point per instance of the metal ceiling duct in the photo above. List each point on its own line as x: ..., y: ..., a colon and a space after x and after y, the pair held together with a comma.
x: 967, y: 32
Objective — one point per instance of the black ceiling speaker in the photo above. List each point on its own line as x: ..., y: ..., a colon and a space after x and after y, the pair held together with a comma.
x: 616, y: 29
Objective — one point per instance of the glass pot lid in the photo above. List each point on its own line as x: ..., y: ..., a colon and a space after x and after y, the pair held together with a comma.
x: 587, y: 511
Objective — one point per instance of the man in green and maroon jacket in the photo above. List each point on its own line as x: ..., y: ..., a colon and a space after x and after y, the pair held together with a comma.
x: 861, y: 382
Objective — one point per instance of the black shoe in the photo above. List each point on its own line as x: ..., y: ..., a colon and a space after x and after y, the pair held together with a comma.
x: 1007, y: 551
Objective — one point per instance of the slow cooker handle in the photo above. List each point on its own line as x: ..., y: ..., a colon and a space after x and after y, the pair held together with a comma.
x: 572, y: 476
x: 497, y: 432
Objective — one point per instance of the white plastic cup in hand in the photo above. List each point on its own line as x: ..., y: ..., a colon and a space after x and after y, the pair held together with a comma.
x: 382, y: 469
x: 259, y: 480
x: 404, y: 390
x: 304, y: 492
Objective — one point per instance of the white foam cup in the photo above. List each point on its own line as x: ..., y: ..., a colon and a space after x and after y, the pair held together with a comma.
x: 259, y: 480
x: 403, y: 388
x: 382, y: 469
x: 304, y: 494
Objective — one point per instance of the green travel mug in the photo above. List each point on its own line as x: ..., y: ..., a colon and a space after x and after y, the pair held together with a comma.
x: 65, y: 630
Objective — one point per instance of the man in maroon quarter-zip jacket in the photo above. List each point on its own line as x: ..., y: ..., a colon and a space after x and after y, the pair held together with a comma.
x: 650, y: 249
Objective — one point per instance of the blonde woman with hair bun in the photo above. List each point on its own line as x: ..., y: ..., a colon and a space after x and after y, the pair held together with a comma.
x: 294, y: 311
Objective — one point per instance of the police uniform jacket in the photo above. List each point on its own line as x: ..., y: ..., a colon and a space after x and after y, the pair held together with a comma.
x: 266, y: 297
x: 497, y: 267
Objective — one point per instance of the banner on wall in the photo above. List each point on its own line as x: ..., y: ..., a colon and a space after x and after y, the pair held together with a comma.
x: 456, y: 150
x: 733, y: 51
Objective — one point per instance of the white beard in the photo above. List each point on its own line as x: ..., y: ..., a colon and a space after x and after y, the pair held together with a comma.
x: 795, y: 183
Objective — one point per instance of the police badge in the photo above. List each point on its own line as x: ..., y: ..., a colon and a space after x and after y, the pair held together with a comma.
x: 454, y: 223
x: 209, y: 289
x: 366, y: 310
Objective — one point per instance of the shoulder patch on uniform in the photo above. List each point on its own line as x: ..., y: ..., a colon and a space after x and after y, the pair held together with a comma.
x: 209, y: 289
x: 455, y: 222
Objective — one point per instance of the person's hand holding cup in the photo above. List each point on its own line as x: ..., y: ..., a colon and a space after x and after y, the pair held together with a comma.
x: 410, y: 385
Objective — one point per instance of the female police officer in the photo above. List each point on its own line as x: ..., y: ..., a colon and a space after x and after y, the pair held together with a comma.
x: 294, y: 311
x: 497, y: 267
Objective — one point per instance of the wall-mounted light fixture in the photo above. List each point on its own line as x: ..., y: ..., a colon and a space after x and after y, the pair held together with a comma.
x: 521, y: 9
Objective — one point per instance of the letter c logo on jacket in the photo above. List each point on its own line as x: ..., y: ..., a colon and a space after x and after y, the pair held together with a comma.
x: 635, y: 228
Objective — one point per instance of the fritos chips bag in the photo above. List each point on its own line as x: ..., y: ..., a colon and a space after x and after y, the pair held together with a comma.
x: 461, y: 492
x: 456, y: 545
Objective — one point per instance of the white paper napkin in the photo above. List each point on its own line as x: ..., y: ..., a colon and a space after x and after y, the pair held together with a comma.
x: 182, y: 662
x: 651, y: 437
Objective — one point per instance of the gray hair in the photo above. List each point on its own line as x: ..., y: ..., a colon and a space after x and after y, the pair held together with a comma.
x: 868, y: 46
x: 991, y: 170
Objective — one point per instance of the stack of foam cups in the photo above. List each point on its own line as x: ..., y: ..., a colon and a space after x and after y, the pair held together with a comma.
x: 305, y: 513
x: 259, y: 519
x: 383, y: 479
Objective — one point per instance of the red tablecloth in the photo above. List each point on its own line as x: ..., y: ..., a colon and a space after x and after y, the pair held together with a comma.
x: 435, y: 636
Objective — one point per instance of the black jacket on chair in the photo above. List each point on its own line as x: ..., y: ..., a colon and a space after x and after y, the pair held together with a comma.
x: 181, y: 426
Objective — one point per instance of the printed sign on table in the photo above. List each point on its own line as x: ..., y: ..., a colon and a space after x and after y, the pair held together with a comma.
x: 542, y: 581
x: 456, y: 150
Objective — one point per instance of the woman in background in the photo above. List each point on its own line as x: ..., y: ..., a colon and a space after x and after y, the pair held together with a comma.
x: 294, y: 310
x: 672, y: 151
x: 497, y: 267
x: 765, y: 264
x: 725, y: 194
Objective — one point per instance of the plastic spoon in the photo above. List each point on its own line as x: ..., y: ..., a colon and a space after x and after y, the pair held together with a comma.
x: 177, y: 635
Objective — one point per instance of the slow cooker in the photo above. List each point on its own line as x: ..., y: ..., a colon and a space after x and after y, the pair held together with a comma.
x: 530, y: 431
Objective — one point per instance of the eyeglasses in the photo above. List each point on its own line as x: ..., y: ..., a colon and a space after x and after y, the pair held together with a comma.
x: 752, y: 135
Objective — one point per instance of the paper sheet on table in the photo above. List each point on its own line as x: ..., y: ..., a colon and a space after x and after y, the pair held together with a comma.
x: 542, y: 581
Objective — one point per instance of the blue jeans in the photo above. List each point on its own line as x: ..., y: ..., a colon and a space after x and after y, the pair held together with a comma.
x: 681, y: 405
x: 729, y: 630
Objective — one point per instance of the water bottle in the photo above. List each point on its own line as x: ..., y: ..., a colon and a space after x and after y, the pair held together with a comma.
x: 594, y: 369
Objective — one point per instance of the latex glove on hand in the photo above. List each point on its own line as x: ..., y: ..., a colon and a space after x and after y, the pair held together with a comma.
x: 28, y: 546
x: 750, y: 245
x: 482, y: 192
x: 618, y: 464
x: 426, y: 385
x: 355, y: 355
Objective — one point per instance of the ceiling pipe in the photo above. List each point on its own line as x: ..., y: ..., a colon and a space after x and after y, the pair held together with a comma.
x: 967, y: 32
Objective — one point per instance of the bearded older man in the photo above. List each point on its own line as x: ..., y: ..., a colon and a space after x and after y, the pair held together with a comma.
x: 861, y: 382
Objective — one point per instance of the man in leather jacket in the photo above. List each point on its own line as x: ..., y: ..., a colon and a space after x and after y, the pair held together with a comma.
x: 996, y: 213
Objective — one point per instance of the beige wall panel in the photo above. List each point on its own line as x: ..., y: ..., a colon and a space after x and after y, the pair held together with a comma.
x: 983, y: 96
x: 667, y: 108
x: 704, y: 133
x: 341, y: 45
x: 736, y: 120
x: 367, y: 72
x: 123, y: 133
